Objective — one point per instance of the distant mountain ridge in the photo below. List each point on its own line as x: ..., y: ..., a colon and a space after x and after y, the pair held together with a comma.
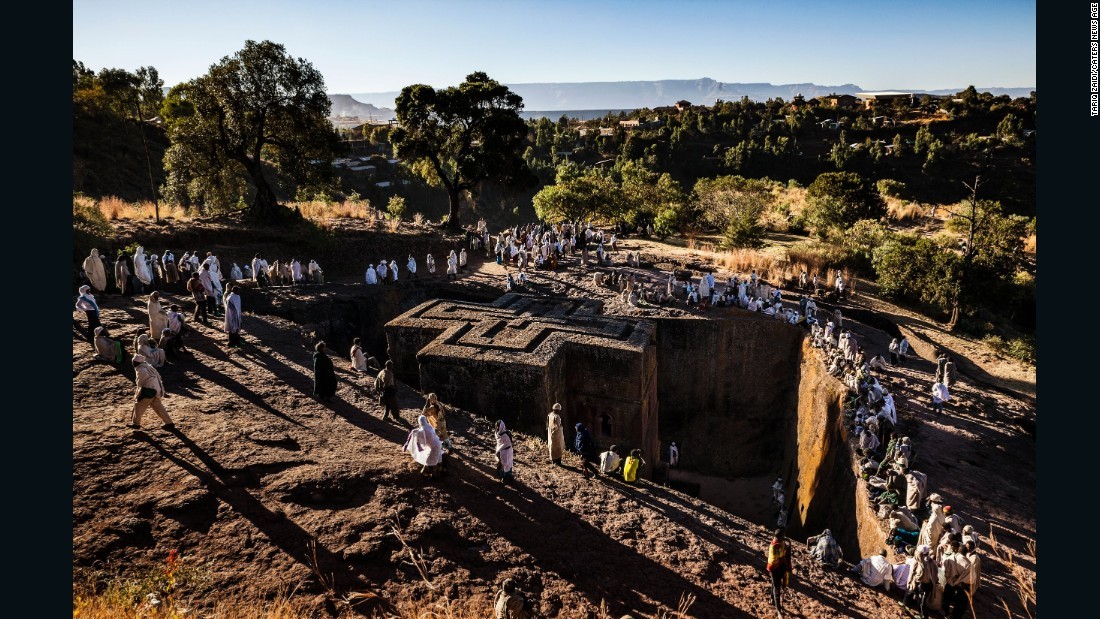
x: 639, y: 94
x: 346, y: 106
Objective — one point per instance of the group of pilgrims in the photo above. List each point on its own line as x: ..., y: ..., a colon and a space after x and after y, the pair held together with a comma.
x: 384, y: 273
x: 937, y: 564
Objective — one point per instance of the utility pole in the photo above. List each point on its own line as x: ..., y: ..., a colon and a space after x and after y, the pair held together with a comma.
x: 148, y: 163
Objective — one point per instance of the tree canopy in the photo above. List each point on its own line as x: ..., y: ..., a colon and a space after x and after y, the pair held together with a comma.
x: 735, y: 205
x: 459, y: 136
x: 579, y: 196
x: 840, y: 199
x: 258, y: 112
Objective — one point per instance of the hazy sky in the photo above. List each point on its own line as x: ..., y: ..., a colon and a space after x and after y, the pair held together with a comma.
x: 369, y: 46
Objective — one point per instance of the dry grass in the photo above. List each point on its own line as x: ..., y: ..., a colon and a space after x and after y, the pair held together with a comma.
x: 1022, y: 579
x: 114, y: 209
x: 904, y: 210
x: 783, y: 271
x: 1029, y: 244
x: 318, y: 210
x: 418, y: 218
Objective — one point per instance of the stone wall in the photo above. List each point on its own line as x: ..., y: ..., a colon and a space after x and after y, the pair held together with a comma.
x: 728, y: 390
x: 512, y: 359
x: 827, y: 494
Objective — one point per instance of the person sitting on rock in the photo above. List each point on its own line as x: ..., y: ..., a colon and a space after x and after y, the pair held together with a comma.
x: 825, y: 550
x: 875, y: 570
x: 107, y: 349
x: 634, y: 463
x: 511, y: 603
x: 610, y: 461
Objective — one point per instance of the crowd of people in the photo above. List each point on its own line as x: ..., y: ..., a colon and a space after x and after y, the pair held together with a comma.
x: 937, y: 566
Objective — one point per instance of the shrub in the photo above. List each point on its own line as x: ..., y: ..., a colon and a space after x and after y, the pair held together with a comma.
x: 396, y: 207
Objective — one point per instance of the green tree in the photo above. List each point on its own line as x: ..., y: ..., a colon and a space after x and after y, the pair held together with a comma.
x: 466, y: 134
x: 1008, y: 130
x: 990, y: 253
x: 922, y: 140
x: 256, y: 111
x: 578, y: 196
x: 915, y: 268
x: 735, y: 205
x: 396, y: 207
x: 646, y: 193
x: 839, y: 199
x: 900, y: 148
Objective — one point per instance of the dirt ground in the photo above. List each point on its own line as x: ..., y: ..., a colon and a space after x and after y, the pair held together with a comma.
x: 267, y: 484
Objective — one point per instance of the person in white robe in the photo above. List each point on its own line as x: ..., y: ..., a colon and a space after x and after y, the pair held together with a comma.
x: 246, y: 271
x: 232, y: 322
x: 315, y: 274
x: 452, y: 265
x: 214, y: 267
x: 86, y: 303
x: 430, y: 261
x: 889, y: 410
x: 296, y: 271
x: 259, y: 271
x: 372, y: 275
x: 876, y: 570
x: 358, y: 357
x: 147, y: 348
x: 141, y: 266
x: 235, y: 273
x: 195, y: 261
x: 411, y: 266
x: 94, y: 270
x: 462, y: 259
x: 158, y: 317
x: 393, y: 270
x: 424, y: 445
x: 383, y: 271
x: 504, y: 452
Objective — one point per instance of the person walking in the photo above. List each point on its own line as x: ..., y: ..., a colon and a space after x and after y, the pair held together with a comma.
x: 585, y: 447
x: 149, y: 393
x: 198, y: 293
x: 424, y: 446
x: 386, y: 384
x: 779, y: 568
x: 86, y: 303
x: 233, y: 316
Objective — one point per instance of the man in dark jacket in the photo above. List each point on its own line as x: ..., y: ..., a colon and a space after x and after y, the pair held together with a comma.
x: 585, y: 447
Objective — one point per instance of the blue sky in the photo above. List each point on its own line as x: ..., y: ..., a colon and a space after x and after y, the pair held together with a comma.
x: 369, y: 46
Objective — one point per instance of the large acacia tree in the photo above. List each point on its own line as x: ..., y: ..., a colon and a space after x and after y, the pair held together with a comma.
x: 459, y: 136
x: 258, y: 111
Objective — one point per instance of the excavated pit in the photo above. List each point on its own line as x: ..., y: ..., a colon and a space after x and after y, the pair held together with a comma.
x: 744, y: 396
